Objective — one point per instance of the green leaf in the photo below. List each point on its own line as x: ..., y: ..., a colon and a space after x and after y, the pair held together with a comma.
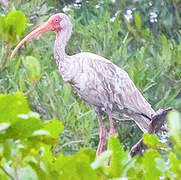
x: 161, y: 165
x: 90, y: 154
x: 146, y: 33
x: 3, y: 175
x: 118, y: 158
x: 47, y: 156
x: 39, y: 171
x: 166, y: 49
x: 8, y: 146
x: 175, y: 164
x: 15, y: 21
x: 79, y: 165
x: 54, y: 127
x: 11, y: 106
x: 28, y: 173
x: 66, y: 93
x: 2, y: 25
x: 46, y: 139
x: 151, y: 140
x: 150, y: 165
x: 138, y: 20
x: 23, y: 128
x: 33, y: 68
x: 49, y: 132
x: 101, y: 159
x: 174, y: 121
x: 14, y: 24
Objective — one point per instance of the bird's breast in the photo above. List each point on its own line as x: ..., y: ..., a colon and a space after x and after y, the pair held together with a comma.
x: 90, y: 89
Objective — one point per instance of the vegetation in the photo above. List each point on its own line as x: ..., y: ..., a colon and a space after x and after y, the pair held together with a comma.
x: 143, y: 37
x: 26, y: 150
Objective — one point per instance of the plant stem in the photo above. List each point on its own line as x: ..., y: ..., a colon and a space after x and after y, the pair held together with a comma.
x: 5, y: 58
x: 32, y: 86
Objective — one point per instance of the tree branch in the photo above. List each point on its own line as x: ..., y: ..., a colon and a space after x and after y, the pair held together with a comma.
x: 155, y: 125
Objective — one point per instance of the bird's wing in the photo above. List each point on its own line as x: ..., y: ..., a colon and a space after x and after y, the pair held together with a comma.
x: 130, y: 96
x: 119, y: 85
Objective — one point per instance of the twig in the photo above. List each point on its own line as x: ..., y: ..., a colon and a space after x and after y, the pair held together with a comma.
x: 32, y: 86
x: 9, y: 175
x: 136, y: 148
x: 69, y: 143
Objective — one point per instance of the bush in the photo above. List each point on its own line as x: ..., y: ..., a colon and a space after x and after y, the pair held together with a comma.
x: 26, y: 150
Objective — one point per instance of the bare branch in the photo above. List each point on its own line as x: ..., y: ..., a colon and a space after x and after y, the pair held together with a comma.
x: 155, y: 125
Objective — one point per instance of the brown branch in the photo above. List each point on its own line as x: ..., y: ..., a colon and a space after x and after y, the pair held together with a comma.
x: 136, y: 149
x: 155, y: 125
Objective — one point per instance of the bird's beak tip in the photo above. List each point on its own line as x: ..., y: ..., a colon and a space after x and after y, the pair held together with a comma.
x: 37, y: 31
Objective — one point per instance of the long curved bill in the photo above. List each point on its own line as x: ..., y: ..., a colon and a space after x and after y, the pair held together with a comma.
x: 37, y: 31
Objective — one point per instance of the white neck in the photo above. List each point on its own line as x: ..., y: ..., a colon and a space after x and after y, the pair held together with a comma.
x: 60, y: 43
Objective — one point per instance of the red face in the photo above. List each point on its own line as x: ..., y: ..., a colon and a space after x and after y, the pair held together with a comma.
x: 54, y: 22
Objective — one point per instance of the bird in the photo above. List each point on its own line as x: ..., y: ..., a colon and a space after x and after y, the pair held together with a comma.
x: 104, y: 86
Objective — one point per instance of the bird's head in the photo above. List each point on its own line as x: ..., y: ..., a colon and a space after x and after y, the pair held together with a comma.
x: 57, y: 23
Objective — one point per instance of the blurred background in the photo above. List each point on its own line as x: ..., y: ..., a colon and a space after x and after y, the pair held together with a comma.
x: 141, y: 36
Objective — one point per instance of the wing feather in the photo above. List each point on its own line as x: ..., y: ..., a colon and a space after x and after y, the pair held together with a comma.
x: 119, y: 87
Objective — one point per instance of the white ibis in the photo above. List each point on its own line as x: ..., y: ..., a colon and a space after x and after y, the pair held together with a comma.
x: 104, y: 86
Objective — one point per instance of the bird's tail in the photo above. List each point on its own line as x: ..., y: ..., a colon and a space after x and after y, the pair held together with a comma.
x: 142, y: 121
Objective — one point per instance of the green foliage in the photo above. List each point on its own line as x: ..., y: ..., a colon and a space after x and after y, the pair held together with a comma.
x: 149, y: 51
x: 151, y: 140
x: 13, y: 24
x: 138, y: 20
x: 175, y: 126
x: 79, y: 165
x: 25, y: 139
x: 101, y: 159
x: 33, y: 68
x: 26, y: 143
x: 118, y: 158
x: 12, y: 106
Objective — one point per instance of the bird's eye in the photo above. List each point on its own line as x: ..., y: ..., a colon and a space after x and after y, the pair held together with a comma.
x: 56, y: 20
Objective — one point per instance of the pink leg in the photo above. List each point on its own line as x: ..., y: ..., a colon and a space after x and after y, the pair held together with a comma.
x: 112, y: 131
x: 102, y: 135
